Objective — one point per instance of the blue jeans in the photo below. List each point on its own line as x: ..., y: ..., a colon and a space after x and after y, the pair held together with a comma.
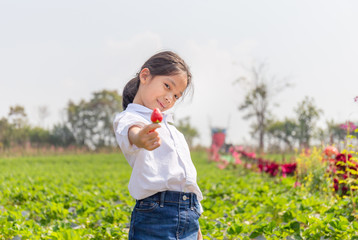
x: 165, y: 215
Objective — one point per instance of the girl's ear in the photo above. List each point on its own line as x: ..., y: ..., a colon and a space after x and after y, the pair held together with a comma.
x: 144, y: 75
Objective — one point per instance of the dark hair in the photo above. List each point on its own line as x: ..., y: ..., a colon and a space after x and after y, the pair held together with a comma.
x: 161, y: 64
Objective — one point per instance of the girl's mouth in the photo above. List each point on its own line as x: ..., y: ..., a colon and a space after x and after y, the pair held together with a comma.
x: 161, y: 105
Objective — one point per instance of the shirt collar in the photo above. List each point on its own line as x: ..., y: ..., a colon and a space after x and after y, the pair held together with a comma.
x: 133, y: 107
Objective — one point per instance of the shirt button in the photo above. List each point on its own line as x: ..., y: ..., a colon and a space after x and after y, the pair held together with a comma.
x: 185, y: 197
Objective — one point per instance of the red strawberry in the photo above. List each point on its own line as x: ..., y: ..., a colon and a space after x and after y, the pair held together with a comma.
x: 157, y: 116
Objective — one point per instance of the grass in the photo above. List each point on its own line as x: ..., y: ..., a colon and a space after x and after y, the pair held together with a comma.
x: 86, y: 197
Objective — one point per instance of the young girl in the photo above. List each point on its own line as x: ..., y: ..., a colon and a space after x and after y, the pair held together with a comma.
x: 163, y: 179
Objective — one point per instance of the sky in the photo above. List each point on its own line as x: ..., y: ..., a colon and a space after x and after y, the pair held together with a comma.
x: 52, y: 52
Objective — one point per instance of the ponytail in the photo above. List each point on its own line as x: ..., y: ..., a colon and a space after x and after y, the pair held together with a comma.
x: 129, y: 91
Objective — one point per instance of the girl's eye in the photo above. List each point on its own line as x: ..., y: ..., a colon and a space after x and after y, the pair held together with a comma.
x: 176, y: 97
x: 167, y: 86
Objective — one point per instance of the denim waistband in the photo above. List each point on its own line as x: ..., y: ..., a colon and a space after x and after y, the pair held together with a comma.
x: 174, y: 197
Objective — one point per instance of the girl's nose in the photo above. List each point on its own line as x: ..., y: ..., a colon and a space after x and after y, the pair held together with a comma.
x: 168, y: 98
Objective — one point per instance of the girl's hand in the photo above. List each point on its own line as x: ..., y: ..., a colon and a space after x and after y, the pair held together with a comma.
x: 200, y: 236
x: 145, y: 137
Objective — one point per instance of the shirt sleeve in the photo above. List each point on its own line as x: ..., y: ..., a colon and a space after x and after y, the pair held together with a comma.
x: 121, y: 125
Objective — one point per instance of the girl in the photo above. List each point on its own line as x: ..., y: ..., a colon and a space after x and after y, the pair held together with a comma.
x: 163, y: 179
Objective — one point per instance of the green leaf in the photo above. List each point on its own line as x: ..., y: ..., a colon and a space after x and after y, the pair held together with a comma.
x: 287, y: 216
x: 354, y: 172
x: 355, y: 225
x: 342, y: 181
x: 333, y: 223
x: 254, y: 234
x: 297, y: 236
x: 270, y: 227
x: 295, y: 226
x: 239, y: 210
x: 340, y: 163
x: 351, y: 164
x: 343, y: 220
x: 235, y: 229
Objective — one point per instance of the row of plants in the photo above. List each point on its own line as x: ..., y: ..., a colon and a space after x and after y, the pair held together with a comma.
x: 236, y: 155
x: 342, y: 165
x: 86, y: 197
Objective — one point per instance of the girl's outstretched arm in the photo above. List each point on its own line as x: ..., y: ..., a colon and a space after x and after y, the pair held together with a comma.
x: 200, y: 236
x: 144, y: 137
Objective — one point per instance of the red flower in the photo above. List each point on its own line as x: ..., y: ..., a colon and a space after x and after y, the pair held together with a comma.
x: 288, y: 168
x: 342, y: 159
x: 272, y: 169
x: 336, y: 183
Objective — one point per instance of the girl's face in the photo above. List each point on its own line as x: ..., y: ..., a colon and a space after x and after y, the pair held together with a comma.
x: 160, y: 91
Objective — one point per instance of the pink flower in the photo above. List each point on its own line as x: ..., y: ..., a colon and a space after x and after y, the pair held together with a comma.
x: 239, y: 148
x: 238, y: 160
x: 216, y: 157
x: 231, y: 150
x: 221, y: 166
x: 350, y: 126
x: 331, y: 151
x: 356, y: 99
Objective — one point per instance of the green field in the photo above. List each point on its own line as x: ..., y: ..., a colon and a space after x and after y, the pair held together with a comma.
x: 86, y: 197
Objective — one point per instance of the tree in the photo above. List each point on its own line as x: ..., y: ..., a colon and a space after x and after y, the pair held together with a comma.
x: 17, y: 116
x: 62, y: 136
x: 320, y: 134
x: 39, y: 136
x: 18, y: 125
x: 258, y: 99
x: 284, y: 131
x: 335, y: 132
x: 189, y: 132
x: 43, y: 113
x: 307, y: 115
x: 91, y: 122
x: 5, y: 133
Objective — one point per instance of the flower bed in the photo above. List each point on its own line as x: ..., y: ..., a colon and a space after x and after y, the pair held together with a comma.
x: 236, y: 155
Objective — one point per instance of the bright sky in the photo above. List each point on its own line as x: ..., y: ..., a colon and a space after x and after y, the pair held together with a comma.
x: 55, y: 51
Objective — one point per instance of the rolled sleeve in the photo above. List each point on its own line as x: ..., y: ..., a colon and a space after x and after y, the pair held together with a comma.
x: 121, y: 125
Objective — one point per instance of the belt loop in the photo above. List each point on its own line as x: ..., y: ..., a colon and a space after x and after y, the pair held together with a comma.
x: 162, y: 198
x: 192, y: 201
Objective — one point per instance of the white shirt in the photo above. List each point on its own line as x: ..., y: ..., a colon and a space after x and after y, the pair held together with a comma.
x: 168, y: 167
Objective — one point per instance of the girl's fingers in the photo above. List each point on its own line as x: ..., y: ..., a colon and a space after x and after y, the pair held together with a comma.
x: 151, y: 127
x: 149, y: 137
x: 154, y: 145
x: 155, y: 142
